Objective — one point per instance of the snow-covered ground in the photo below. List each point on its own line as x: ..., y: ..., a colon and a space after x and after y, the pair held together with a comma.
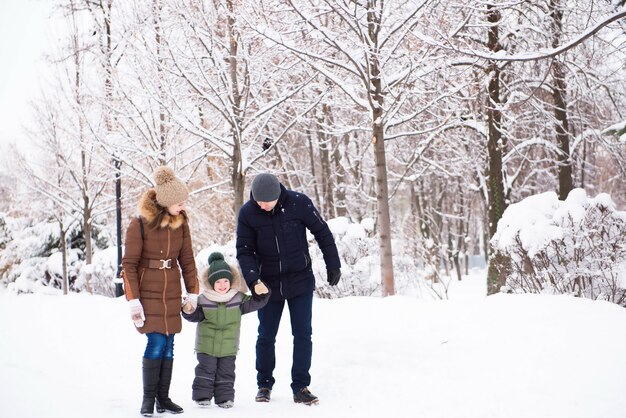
x: 503, y: 356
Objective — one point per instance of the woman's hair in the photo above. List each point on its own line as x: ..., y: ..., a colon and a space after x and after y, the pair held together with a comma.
x: 162, y: 213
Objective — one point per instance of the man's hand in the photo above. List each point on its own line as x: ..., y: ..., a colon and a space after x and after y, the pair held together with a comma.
x: 333, y: 276
x: 259, y: 290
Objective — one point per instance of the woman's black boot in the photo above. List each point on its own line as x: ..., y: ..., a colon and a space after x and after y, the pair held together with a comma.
x: 163, y: 401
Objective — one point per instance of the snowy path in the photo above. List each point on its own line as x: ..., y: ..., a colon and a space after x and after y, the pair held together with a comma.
x: 471, y: 357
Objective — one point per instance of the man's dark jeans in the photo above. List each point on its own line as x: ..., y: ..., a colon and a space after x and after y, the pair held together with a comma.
x: 300, y: 311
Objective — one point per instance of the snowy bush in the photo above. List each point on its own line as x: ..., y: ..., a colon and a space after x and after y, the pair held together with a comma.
x: 101, y: 273
x: 358, y: 248
x: 357, y: 245
x: 574, y: 247
x: 358, y: 254
x: 23, y: 263
x: 32, y: 260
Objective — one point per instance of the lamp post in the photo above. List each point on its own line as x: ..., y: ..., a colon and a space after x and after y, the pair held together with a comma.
x: 119, y: 289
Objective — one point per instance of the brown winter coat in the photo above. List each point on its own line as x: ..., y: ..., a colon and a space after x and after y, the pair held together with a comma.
x: 159, y: 290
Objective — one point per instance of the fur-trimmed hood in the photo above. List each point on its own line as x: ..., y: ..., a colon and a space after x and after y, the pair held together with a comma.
x: 149, y: 210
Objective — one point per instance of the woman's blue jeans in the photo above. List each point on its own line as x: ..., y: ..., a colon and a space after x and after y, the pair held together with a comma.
x: 160, y: 346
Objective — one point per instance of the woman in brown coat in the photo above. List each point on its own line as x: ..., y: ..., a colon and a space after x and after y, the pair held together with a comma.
x: 158, y: 247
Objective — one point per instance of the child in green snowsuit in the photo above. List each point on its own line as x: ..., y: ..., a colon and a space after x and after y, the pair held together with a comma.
x: 220, y: 306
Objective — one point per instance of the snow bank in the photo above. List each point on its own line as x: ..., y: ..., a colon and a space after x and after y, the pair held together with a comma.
x: 575, y: 246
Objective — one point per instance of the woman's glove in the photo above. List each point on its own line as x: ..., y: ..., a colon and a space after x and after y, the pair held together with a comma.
x: 136, y: 312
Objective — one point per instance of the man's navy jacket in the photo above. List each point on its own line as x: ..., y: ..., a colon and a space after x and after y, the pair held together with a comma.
x: 272, y: 245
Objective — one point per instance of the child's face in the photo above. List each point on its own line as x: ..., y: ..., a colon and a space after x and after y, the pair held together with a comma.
x: 222, y: 286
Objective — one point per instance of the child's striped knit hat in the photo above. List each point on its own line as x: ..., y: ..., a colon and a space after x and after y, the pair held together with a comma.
x: 218, y: 268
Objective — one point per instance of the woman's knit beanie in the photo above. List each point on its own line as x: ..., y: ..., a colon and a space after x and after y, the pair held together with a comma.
x: 170, y: 190
x: 265, y: 188
x: 219, y: 269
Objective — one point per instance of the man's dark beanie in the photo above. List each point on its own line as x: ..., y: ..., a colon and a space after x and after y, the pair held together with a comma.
x: 265, y: 188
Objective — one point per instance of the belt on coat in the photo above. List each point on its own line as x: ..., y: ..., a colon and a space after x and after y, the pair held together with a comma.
x: 157, y: 264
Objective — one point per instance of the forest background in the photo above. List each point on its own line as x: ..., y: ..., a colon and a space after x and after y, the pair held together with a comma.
x: 413, y: 124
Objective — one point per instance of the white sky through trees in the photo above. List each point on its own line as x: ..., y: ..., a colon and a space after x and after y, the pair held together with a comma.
x: 23, y: 31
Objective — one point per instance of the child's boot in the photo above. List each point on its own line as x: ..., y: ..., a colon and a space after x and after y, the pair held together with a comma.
x: 226, y: 404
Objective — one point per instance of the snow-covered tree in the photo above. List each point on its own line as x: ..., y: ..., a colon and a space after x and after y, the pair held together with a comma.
x: 234, y: 86
x: 361, y: 47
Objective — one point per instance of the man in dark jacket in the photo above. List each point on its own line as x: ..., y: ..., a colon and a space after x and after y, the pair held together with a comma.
x: 272, y: 246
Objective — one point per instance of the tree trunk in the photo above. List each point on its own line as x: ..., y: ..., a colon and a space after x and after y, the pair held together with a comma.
x: 583, y: 165
x: 454, y: 255
x: 327, y: 178
x: 495, y: 184
x: 119, y: 289
x: 340, y: 183
x: 238, y: 180
x: 86, y: 222
x: 162, y: 159
x: 378, y: 137
x: 109, y: 125
x: 463, y: 226
x: 108, y: 65
x: 327, y: 153
x: 384, y: 221
x: 559, y: 92
x: 88, y: 244
x: 460, y: 233
x: 65, y: 284
x: 427, y: 230
x: 312, y: 162
x: 237, y: 176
